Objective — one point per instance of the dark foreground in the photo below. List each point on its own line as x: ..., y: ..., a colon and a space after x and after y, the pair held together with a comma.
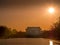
x: 27, y: 41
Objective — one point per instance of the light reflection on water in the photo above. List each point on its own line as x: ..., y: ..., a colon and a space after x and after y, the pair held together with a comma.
x: 28, y: 41
x: 51, y: 42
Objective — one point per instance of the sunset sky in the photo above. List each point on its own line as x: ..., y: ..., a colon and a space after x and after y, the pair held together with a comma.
x: 21, y: 14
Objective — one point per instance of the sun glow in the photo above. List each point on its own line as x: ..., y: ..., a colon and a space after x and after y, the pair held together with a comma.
x: 51, y: 10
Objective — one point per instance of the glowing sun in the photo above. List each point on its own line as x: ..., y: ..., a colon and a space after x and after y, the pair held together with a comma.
x: 51, y: 10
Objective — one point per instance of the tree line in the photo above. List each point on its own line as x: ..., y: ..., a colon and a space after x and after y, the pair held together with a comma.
x: 6, y: 32
x: 53, y: 33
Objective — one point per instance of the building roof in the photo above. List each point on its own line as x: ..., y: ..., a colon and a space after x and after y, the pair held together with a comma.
x: 33, y: 28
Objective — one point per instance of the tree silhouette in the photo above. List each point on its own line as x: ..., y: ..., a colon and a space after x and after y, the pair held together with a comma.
x: 56, y: 29
x: 4, y: 31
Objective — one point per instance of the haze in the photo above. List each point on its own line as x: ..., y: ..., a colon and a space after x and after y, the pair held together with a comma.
x: 21, y: 15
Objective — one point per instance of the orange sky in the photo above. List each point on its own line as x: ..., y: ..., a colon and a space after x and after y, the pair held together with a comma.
x: 20, y: 17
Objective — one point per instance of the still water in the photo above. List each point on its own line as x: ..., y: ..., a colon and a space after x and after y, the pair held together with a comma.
x: 28, y: 41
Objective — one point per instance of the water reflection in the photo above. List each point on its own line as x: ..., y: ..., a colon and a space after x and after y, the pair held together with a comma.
x: 51, y: 42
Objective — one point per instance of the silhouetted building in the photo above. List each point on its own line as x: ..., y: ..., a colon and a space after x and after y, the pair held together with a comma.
x: 33, y: 31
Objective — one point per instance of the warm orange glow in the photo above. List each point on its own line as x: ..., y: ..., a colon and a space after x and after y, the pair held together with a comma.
x: 51, y: 10
x: 21, y: 17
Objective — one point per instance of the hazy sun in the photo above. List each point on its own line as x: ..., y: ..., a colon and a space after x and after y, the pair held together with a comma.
x: 51, y: 10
